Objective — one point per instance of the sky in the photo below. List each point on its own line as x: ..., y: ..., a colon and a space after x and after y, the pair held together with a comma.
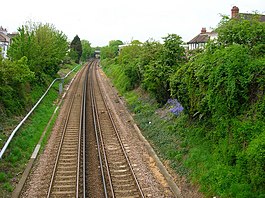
x: 100, y: 21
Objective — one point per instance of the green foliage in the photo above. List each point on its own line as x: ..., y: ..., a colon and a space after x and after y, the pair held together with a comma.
x: 218, y: 142
x: 115, y: 71
x: 158, y: 69
x: 110, y: 51
x: 14, y: 77
x: 149, y: 64
x: 86, y: 50
x: 222, y: 169
x: 250, y: 31
x: 156, y: 80
x: 22, y: 145
x: 129, y: 60
x: 34, y: 58
x: 76, y: 47
x: 43, y: 45
x: 255, y: 155
x: 73, y: 55
x: 22, y: 44
x: 221, y: 87
x: 219, y: 82
x: 173, y: 53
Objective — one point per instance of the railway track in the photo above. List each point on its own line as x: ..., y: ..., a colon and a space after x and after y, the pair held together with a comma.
x: 65, y: 179
x: 91, y: 160
x: 117, y: 173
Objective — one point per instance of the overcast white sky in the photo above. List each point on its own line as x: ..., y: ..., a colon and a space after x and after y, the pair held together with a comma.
x: 100, y: 21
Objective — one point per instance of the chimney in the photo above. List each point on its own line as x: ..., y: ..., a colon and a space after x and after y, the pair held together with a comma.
x: 234, y: 12
x: 203, y: 31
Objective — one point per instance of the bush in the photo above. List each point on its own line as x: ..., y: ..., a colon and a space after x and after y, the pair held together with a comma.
x: 256, y: 162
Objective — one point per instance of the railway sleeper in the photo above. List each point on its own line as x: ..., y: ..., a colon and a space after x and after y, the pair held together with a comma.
x: 121, y: 171
x: 64, y: 167
x: 127, y: 180
x: 68, y: 193
x: 124, y: 192
x: 120, y: 176
x: 68, y: 172
x: 64, y: 186
x: 117, y: 166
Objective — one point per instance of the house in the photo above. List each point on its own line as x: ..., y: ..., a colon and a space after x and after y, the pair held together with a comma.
x: 201, y: 39
x: 5, y: 41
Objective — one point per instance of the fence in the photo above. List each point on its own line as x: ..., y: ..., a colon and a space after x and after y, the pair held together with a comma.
x: 29, y: 113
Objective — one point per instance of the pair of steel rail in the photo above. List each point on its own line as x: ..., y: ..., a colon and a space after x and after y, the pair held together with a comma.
x: 101, y: 145
x: 66, y: 187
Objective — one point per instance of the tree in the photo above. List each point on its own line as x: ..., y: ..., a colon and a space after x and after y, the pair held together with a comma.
x: 21, y: 44
x: 86, y: 50
x: 14, y: 81
x: 157, y: 72
x: 110, y: 51
x: 76, y: 46
x: 43, y: 45
x: 129, y: 59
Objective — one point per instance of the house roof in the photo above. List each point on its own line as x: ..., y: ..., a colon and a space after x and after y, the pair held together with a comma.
x: 4, y: 38
x: 200, y: 38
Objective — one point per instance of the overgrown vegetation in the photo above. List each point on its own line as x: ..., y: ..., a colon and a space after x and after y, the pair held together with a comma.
x: 218, y: 140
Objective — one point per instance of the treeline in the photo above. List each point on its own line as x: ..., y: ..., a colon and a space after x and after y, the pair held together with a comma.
x: 35, y: 56
x: 222, y: 91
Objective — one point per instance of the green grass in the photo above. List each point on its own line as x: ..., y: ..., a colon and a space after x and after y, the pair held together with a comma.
x: 21, y: 147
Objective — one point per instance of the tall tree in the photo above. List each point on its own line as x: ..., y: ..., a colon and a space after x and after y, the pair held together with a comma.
x: 76, y: 46
x: 169, y: 57
x: 43, y: 45
x: 174, y: 53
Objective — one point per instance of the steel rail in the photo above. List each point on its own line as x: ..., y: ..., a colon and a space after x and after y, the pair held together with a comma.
x: 59, y: 150
x: 84, y: 130
x: 96, y: 125
x: 103, y: 148
x: 120, y: 141
x: 61, y: 143
x: 29, y: 113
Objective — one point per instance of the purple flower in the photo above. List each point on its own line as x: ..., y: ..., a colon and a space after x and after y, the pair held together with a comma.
x: 176, y: 107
